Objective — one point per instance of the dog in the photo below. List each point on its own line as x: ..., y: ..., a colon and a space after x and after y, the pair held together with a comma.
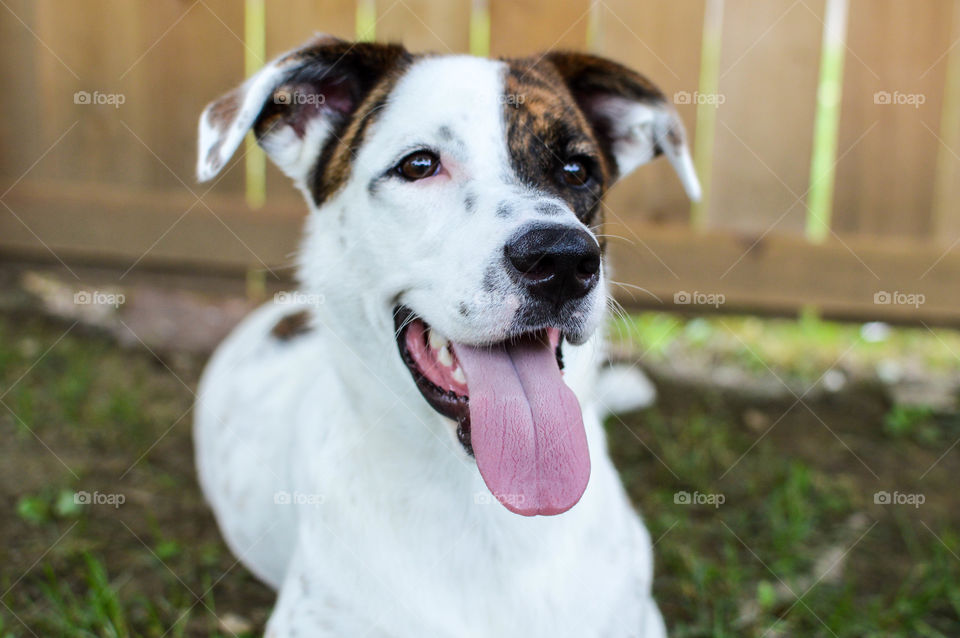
x: 411, y: 444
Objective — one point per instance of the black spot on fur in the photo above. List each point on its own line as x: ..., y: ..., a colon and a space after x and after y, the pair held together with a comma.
x: 545, y: 208
x: 505, y: 210
x: 470, y: 202
x: 292, y: 325
x: 373, y: 188
x: 490, y: 279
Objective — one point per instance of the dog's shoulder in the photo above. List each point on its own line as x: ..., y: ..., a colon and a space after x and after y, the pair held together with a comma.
x: 262, y: 359
x: 273, y: 331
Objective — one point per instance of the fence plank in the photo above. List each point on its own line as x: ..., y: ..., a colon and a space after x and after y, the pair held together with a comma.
x: 885, y: 182
x: 764, y: 133
x: 425, y: 25
x: 184, y: 67
x: 947, y: 202
x: 660, y: 39
x: 524, y: 27
x: 88, y: 56
x: 123, y: 226
x: 785, y: 272
x: 292, y: 22
x: 20, y: 141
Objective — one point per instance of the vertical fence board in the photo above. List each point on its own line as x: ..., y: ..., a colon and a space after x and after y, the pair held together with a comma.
x: 947, y: 205
x: 185, y: 67
x: 292, y: 22
x: 425, y: 25
x: 764, y: 133
x: 660, y: 39
x: 20, y: 140
x: 98, y: 148
x: 885, y: 181
x: 524, y: 27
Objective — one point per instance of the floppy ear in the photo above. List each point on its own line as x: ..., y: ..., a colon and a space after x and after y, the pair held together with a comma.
x: 632, y: 119
x: 294, y: 104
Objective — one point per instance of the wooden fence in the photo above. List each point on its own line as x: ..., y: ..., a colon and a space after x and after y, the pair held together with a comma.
x: 827, y: 134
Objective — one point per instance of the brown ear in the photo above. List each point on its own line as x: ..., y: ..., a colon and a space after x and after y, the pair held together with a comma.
x: 294, y: 103
x: 630, y: 116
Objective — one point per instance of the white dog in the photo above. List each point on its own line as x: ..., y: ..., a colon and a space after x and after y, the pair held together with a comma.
x: 411, y: 446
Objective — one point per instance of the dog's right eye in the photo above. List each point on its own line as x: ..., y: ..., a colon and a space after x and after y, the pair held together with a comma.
x: 418, y: 165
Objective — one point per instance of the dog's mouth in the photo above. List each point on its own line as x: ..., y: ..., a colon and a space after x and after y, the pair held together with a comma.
x: 513, y: 411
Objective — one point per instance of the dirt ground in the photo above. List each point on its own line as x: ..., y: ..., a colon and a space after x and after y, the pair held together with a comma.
x: 764, y: 512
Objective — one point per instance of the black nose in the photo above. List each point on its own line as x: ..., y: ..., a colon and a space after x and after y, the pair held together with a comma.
x: 555, y: 263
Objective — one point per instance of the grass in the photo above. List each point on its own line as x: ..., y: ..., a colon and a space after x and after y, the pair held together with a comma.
x: 797, y: 486
x: 793, y: 348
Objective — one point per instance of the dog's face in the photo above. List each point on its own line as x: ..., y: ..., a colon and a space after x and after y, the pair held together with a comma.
x: 463, y: 196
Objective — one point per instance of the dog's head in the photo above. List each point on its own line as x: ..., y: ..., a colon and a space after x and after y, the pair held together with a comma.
x: 462, y: 196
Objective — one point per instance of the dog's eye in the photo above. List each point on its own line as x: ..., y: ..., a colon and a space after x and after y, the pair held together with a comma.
x: 575, y: 172
x: 418, y: 165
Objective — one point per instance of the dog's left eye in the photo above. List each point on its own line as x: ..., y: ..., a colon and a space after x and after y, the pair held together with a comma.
x: 418, y: 165
x: 575, y: 172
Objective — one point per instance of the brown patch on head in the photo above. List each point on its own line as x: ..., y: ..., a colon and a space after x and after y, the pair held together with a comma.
x: 292, y: 325
x: 545, y: 129
x: 353, y: 78
x: 591, y: 78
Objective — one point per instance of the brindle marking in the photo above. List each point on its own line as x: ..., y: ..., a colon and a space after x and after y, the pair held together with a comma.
x: 548, y: 209
x: 559, y: 119
x: 470, y: 202
x: 589, y: 77
x: 546, y: 129
x: 505, y: 210
x: 292, y: 325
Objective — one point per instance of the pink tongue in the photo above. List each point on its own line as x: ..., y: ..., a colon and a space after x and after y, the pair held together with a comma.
x: 525, y: 427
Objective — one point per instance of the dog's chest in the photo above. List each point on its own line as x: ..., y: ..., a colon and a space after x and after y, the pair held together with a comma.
x: 430, y: 561
x: 456, y: 579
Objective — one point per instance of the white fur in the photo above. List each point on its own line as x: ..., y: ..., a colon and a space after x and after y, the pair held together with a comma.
x: 401, y: 537
x: 639, y: 128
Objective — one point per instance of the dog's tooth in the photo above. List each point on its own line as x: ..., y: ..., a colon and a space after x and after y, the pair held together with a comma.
x: 444, y: 357
x: 436, y: 341
x: 458, y: 375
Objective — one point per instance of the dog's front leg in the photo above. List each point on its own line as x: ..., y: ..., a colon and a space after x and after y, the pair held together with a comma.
x: 306, y: 606
x: 329, y: 593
